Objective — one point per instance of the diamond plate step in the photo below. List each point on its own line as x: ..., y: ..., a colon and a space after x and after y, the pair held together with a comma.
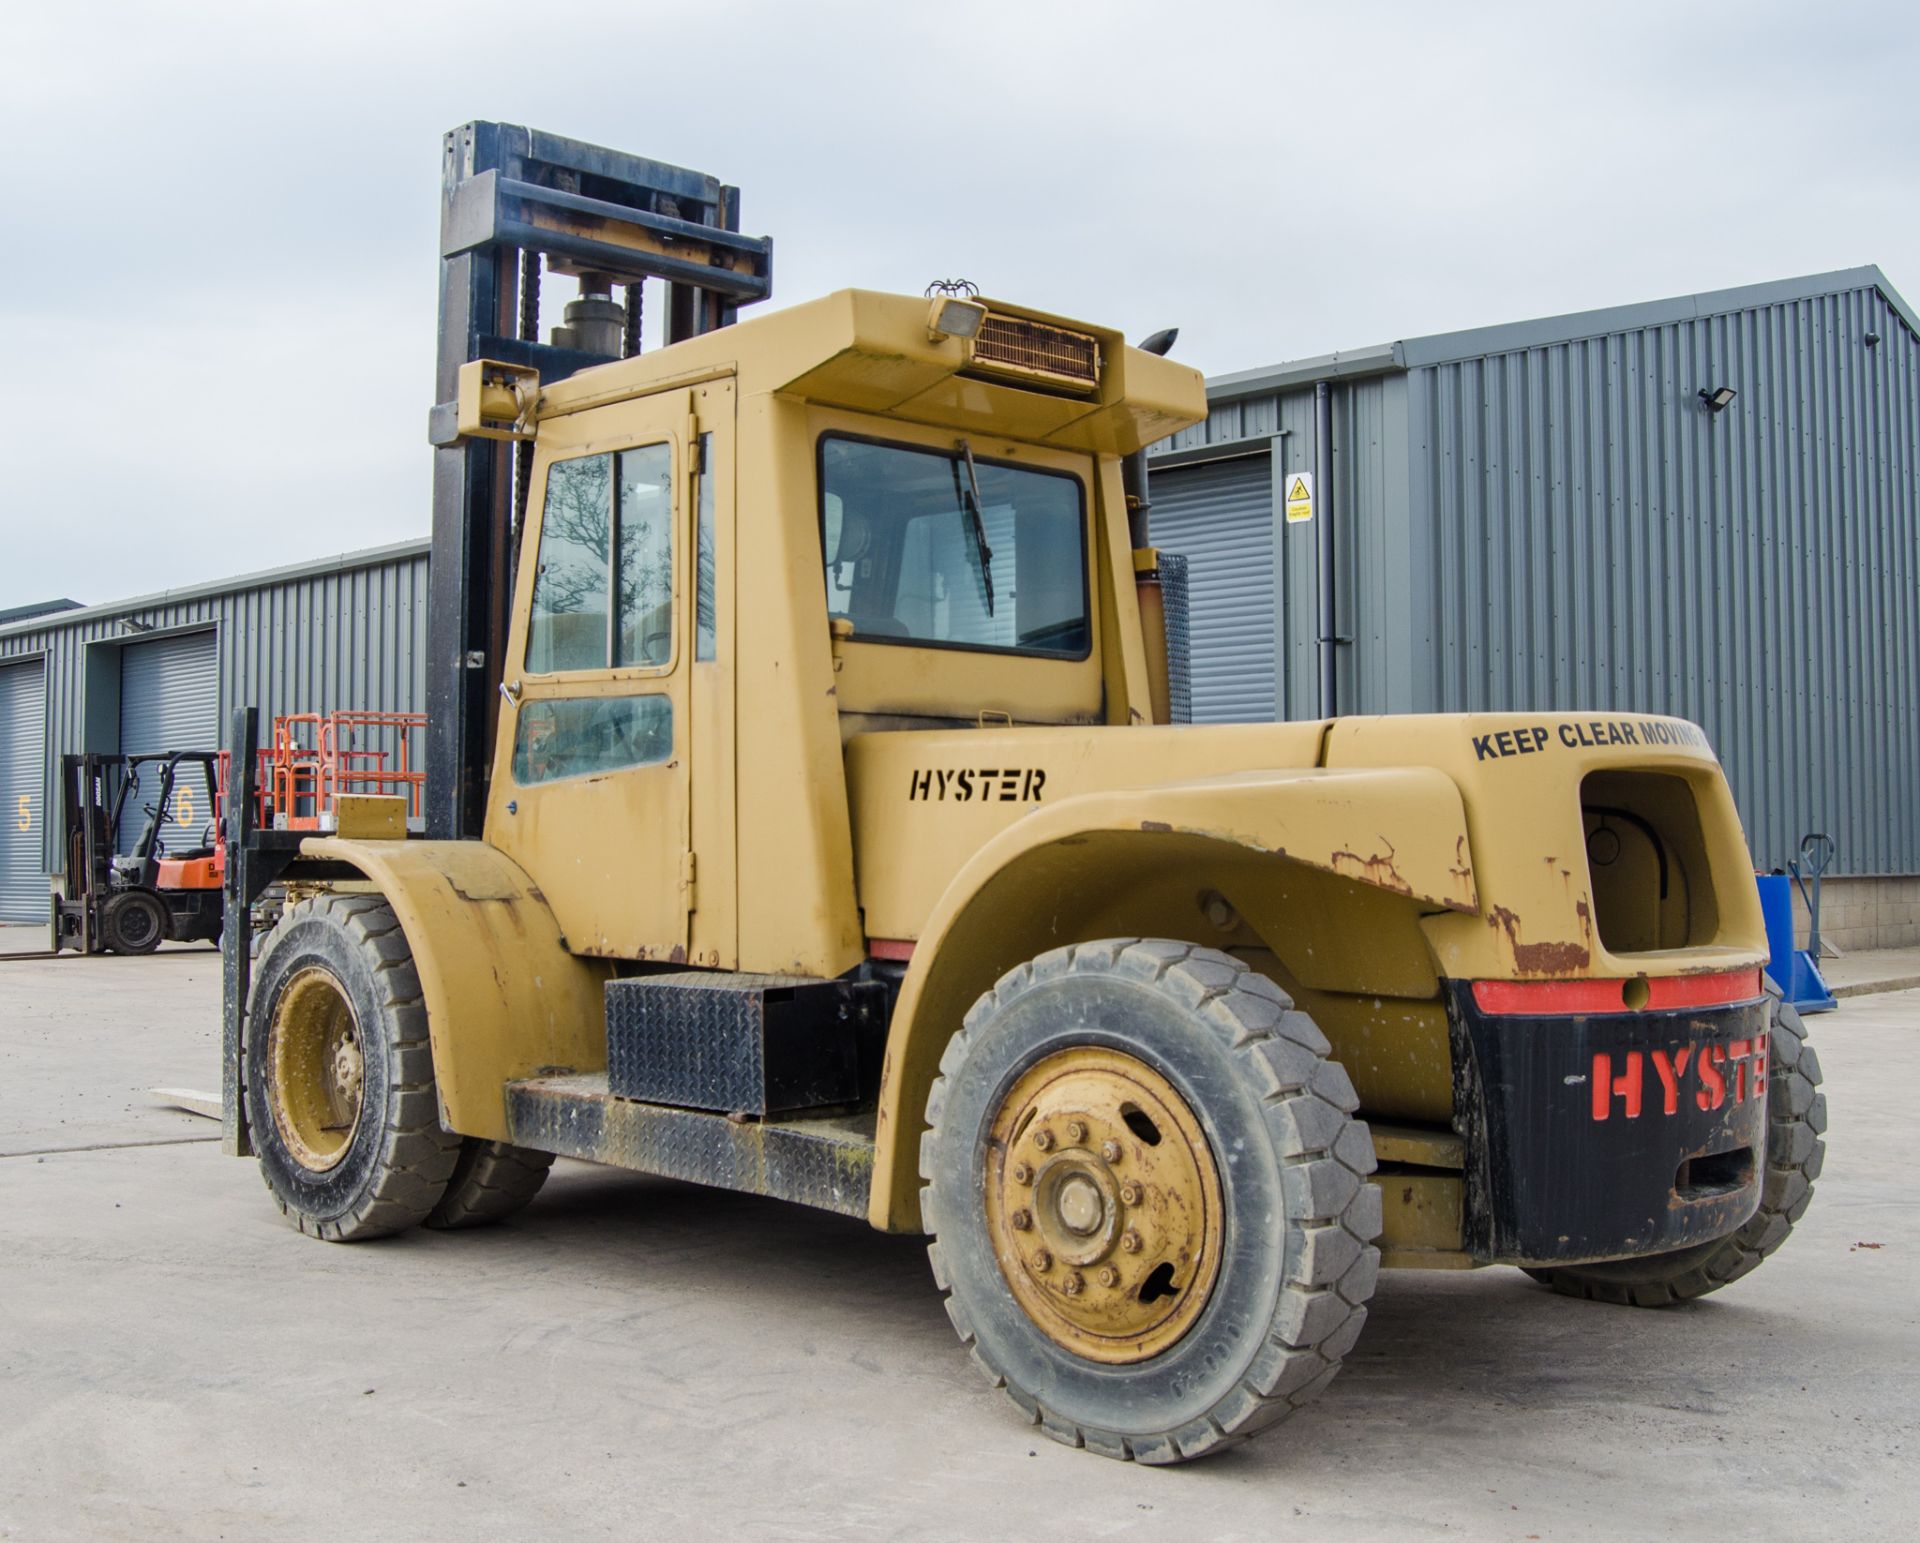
x: 826, y: 1162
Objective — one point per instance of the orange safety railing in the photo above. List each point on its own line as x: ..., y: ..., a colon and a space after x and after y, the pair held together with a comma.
x: 317, y: 757
x: 313, y: 758
x: 290, y: 771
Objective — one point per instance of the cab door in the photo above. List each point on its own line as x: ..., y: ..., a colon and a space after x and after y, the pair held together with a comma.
x: 591, y: 779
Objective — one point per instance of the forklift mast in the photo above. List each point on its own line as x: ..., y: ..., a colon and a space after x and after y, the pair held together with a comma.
x: 513, y: 200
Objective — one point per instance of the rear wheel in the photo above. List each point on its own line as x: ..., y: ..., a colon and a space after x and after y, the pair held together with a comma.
x: 1148, y: 1198
x: 340, y: 1090
x: 134, y: 921
x: 491, y: 1180
x: 1796, y: 1121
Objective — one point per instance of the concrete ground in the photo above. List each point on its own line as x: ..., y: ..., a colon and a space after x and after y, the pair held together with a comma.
x: 638, y: 1358
x: 1871, y: 970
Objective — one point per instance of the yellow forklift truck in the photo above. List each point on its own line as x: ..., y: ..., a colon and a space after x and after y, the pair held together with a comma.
x: 806, y: 818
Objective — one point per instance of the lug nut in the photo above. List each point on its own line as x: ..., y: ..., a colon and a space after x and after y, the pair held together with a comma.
x: 1130, y: 1194
x: 1022, y: 1174
x: 1071, y: 1285
x: 1109, y: 1276
x: 1043, y: 1261
x: 1022, y: 1219
x: 1076, y: 1131
x: 1110, y: 1150
x: 1130, y: 1241
x: 1043, y: 1140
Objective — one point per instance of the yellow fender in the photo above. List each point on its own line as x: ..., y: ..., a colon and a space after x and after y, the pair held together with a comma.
x: 505, y: 1000
x: 1112, y: 864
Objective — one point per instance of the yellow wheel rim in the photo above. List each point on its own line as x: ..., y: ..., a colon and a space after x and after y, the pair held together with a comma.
x: 1104, y: 1205
x: 316, y: 1074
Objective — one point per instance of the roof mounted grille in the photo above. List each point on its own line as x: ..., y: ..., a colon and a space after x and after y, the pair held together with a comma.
x: 1037, y: 351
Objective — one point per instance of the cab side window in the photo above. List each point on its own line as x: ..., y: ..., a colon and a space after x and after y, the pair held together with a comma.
x: 603, y: 584
x: 587, y: 736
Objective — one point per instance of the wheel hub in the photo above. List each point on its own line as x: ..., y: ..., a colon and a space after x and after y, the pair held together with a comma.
x: 316, y: 1070
x: 1104, y: 1204
x: 1080, y: 1204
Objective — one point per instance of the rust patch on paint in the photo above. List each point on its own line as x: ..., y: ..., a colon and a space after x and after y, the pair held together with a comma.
x: 1159, y: 825
x: 1462, y: 874
x: 1537, y: 958
x: 1378, y: 869
x: 1550, y: 958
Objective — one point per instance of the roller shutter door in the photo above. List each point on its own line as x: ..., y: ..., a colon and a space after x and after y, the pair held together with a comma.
x: 23, y: 792
x: 1219, y: 516
x: 170, y: 700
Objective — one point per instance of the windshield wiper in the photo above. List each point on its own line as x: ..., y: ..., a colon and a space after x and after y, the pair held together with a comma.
x: 970, y: 496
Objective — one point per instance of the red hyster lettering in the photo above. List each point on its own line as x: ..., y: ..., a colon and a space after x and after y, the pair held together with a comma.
x: 1735, y: 1072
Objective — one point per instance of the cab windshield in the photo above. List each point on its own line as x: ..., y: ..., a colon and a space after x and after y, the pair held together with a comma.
x: 937, y: 548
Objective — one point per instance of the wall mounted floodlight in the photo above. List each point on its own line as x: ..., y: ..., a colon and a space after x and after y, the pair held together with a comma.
x: 1870, y: 338
x: 1717, y: 400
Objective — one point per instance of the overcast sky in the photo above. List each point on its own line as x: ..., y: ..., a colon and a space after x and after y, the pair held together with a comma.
x: 218, y: 223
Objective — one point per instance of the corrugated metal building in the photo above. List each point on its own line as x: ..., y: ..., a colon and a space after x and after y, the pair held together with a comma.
x: 162, y: 671
x: 1548, y: 514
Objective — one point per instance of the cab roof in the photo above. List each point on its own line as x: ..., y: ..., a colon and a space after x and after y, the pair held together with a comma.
x: 868, y: 351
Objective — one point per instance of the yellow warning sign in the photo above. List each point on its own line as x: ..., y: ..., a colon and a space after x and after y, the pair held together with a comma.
x: 1299, y: 497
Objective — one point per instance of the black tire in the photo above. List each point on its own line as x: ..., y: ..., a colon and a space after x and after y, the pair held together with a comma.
x: 1297, y: 1264
x: 1796, y: 1120
x: 491, y: 1180
x: 134, y: 921
x: 396, y: 1161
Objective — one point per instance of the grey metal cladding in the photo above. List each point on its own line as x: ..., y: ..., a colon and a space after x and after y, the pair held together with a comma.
x: 1544, y: 515
x: 342, y: 632
x: 1597, y: 538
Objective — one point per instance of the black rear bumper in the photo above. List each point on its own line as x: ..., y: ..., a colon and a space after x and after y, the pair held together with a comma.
x: 1610, y: 1135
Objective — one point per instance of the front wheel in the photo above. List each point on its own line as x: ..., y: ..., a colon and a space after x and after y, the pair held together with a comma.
x: 134, y: 921
x: 340, y: 1091
x: 1796, y: 1121
x: 1148, y: 1198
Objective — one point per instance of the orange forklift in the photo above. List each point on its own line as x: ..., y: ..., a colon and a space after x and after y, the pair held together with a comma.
x: 168, y: 886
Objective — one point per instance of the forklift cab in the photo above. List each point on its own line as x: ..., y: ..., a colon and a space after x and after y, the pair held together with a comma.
x: 179, y: 844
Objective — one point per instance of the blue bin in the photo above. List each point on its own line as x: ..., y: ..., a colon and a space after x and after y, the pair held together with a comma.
x: 1792, y: 969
